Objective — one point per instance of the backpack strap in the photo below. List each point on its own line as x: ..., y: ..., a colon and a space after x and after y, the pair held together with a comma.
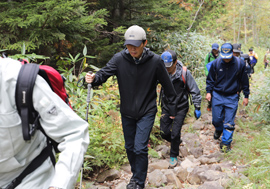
x: 23, y: 97
x: 209, y: 56
x: 217, y: 65
x: 184, y: 78
x: 184, y: 74
x: 45, y: 153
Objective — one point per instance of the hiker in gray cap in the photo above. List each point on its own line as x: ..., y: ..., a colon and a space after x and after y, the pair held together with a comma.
x: 138, y: 71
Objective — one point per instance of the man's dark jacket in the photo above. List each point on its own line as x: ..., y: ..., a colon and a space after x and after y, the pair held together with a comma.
x: 226, y: 78
x: 137, y: 82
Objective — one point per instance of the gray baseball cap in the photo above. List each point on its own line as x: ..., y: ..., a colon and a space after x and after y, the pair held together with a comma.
x: 135, y: 35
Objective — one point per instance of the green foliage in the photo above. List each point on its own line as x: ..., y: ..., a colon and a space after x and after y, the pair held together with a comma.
x: 42, y: 24
x: 259, y: 97
x: 191, y: 48
x: 253, y: 150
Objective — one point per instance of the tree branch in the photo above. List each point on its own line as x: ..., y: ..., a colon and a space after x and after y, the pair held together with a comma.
x: 195, y: 16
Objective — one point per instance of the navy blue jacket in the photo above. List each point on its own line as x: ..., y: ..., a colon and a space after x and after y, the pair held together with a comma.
x: 227, y: 78
x: 137, y: 83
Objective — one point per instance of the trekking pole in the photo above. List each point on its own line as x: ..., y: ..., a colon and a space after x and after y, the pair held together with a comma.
x: 89, y: 86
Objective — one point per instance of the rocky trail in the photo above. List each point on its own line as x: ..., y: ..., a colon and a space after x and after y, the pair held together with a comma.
x: 201, y: 163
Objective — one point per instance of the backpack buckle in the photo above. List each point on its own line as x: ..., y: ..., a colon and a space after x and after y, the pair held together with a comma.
x: 34, y: 126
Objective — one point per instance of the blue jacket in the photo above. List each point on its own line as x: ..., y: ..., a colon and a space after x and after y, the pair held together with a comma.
x: 227, y: 78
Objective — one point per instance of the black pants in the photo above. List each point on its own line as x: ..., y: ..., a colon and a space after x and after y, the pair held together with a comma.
x: 171, y: 129
x: 265, y: 65
x: 136, y: 134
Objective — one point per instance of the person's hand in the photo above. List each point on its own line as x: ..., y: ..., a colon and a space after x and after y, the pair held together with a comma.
x: 208, y: 96
x: 197, y: 113
x: 89, y: 78
x: 172, y: 117
x: 245, y: 101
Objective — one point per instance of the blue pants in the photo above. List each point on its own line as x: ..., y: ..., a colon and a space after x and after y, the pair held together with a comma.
x: 136, y: 134
x: 224, y: 109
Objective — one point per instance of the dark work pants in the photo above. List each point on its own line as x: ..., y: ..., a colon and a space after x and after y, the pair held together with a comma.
x: 171, y: 129
x: 136, y: 134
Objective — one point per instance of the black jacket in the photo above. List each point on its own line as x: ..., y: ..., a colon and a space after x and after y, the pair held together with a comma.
x: 183, y: 89
x: 137, y: 82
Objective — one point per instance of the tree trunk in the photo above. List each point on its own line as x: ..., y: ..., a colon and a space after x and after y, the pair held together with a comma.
x: 239, y: 29
x: 234, y: 35
x: 245, y: 23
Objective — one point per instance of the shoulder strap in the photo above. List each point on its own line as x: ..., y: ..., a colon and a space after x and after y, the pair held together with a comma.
x: 238, y: 62
x: 23, y: 97
x: 217, y: 65
x: 184, y: 74
x: 184, y: 78
x: 209, y: 56
x: 45, y: 153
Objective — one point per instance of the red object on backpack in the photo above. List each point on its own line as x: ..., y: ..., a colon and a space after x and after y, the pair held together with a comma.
x: 54, y: 79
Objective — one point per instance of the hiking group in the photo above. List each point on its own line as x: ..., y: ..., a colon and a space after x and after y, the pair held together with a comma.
x: 138, y: 71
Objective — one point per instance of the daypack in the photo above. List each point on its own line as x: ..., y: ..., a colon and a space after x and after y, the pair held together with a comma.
x: 209, y: 64
x: 23, y: 96
x: 29, y: 117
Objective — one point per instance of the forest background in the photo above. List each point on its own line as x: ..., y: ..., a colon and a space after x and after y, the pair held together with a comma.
x: 76, y: 36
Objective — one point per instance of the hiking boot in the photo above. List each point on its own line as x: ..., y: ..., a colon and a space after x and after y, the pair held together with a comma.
x: 217, y: 134
x: 132, y: 184
x: 173, y: 162
x: 225, y: 147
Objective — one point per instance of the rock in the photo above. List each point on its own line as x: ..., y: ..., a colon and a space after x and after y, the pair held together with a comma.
x: 99, y: 187
x: 206, y: 160
x: 157, y: 178
x: 161, y: 164
x: 181, y: 173
x: 211, y: 185
x: 172, y: 178
x: 196, y: 152
x: 121, y: 185
x: 165, y: 150
x: 206, y: 117
x: 193, y: 179
x: 198, y: 125
x: 187, y: 163
x: 211, y: 175
x: 184, y: 151
x: 108, y: 175
x: 216, y: 167
x: 126, y: 168
x: 226, y: 182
